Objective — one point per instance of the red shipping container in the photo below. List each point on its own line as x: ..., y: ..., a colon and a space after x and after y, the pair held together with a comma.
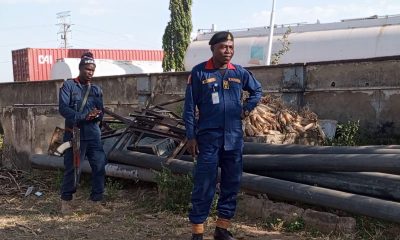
x: 34, y: 64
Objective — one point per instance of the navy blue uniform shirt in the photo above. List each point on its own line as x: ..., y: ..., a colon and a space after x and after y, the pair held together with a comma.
x: 70, y: 100
x: 217, y: 95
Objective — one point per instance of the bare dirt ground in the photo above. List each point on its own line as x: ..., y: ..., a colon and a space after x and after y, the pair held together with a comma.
x: 134, y: 213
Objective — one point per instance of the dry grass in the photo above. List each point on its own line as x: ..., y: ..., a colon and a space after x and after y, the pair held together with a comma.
x: 135, y: 213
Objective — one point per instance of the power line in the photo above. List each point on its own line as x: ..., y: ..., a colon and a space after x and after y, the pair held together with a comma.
x: 65, y: 28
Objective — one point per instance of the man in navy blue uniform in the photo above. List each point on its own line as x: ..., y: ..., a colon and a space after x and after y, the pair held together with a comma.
x: 215, y: 88
x: 81, y: 104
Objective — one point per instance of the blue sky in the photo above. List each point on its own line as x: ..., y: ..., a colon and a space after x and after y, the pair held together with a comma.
x: 140, y: 24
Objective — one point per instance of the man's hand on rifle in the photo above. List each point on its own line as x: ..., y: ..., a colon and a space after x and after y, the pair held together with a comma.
x: 95, y: 113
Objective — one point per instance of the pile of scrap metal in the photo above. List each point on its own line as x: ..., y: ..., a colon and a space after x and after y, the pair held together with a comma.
x: 361, y: 180
x: 154, y: 130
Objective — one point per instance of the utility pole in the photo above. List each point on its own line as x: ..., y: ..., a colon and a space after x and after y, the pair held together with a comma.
x: 64, y: 22
x: 271, y: 34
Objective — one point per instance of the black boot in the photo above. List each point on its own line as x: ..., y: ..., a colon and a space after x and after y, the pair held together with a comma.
x: 222, y: 234
x: 197, y: 236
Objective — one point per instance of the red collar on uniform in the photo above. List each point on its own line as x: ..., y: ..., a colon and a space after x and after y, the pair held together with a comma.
x: 78, y: 81
x: 210, y: 65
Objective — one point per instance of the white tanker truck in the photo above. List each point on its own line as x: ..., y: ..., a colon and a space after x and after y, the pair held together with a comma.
x: 66, y: 68
x: 348, y: 39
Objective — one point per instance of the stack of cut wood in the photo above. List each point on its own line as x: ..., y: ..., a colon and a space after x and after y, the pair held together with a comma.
x: 272, y: 118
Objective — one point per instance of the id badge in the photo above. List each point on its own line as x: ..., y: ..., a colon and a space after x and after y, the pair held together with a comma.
x: 215, y: 97
x: 226, y: 84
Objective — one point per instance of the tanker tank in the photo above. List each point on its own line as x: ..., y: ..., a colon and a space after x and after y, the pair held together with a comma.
x: 348, y: 39
x: 66, y: 68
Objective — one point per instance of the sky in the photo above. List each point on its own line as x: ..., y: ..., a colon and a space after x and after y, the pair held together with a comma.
x: 140, y: 24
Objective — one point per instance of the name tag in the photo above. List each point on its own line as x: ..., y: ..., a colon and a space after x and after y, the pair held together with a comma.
x: 215, y: 97
x: 208, y: 80
x: 236, y: 80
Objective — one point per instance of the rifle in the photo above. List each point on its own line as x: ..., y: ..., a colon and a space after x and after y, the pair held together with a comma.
x: 76, y: 140
x: 76, y: 144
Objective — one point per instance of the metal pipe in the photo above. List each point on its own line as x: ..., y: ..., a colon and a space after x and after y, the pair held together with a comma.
x: 112, y: 169
x: 263, y: 148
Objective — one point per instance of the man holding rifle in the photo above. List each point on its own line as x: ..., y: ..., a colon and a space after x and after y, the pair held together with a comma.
x: 81, y: 104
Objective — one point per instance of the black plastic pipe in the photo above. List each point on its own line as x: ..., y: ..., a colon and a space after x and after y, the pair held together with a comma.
x: 112, y: 169
x: 387, y: 163
x: 354, y: 203
x: 379, y: 185
x: 263, y: 148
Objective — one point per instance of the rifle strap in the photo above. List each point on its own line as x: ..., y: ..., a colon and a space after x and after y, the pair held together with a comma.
x: 85, y: 98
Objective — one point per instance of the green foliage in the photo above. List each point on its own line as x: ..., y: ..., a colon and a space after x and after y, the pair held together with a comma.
x: 274, y: 223
x: 179, y: 109
x: 176, y: 37
x: 1, y: 142
x: 369, y: 228
x: 285, y: 47
x: 59, y: 179
x: 174, y: 190
x: 112, y: 187
x: 295, y: 226
x: 278, y: 224
x: 213, y: 210
x: 116, y: 126
x: 347, y: 134
x: 1, y: 146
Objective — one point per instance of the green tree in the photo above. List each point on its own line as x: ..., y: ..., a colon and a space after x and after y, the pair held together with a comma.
x: 176, y: 37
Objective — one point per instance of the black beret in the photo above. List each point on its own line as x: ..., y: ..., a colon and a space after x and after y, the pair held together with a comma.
x: 220, y: 37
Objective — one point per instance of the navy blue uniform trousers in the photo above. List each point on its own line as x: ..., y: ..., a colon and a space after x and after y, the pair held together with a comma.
x: 93, y: 149
x: 211, y: 156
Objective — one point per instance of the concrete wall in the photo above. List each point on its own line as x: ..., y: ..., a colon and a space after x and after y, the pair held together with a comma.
x: 366, y: 90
